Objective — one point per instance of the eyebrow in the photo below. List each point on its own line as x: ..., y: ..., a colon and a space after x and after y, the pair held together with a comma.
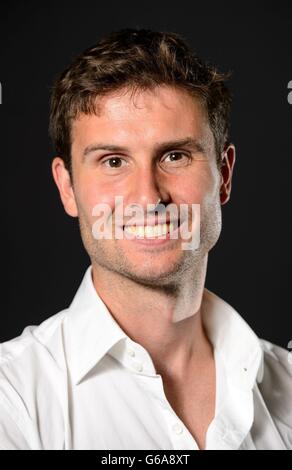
x: 188, y: 142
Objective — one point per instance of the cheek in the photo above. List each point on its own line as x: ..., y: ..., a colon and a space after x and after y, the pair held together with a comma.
x: 90, y: 192
x: 199, y: 186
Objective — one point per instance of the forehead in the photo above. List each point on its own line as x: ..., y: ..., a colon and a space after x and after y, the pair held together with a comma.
x: 145, y: 117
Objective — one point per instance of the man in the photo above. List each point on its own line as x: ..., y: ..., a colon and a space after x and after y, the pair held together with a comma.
x: 145, y: 357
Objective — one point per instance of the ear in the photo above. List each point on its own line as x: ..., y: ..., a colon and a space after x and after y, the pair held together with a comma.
x: 227, y: 165
x: 63, y: 181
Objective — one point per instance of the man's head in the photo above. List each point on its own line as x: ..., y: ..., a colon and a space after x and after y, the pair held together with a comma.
x: 140, y: 95
x: 136, y: 59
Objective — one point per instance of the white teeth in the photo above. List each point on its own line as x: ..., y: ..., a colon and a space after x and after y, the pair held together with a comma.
x: 149, y: 231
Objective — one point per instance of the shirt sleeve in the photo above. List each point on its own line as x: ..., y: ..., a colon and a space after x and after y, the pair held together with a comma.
x: 11, y: 436
x: 14, y: 419
x: 276, y: 388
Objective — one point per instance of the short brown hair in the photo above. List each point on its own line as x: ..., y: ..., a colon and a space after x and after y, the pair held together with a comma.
x: 136, y: 59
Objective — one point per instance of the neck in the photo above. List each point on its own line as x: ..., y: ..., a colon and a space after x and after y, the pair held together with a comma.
x: 168, y: 326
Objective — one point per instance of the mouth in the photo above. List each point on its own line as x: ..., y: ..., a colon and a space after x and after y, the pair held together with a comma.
x: 152, y: 230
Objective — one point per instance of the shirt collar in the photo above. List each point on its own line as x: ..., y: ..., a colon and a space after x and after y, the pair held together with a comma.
x: 233, y: 338
x: 240, y: 364
x: 92, y: 329
x: 93, y: 332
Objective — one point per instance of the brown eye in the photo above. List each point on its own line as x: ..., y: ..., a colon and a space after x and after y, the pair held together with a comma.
x: 176, y: 158
x: 113, y: 162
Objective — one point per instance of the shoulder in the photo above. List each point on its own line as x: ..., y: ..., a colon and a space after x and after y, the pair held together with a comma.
x: 277, y: 362
x: 31, y: 369
x: 36, y: 342
x: 276, y: 382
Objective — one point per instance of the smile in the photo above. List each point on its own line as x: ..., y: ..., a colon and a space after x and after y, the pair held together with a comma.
x: 151, y: 231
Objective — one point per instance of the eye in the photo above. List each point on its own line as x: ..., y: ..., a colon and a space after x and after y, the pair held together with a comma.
x: 177, y: 158
x: 113, y: 162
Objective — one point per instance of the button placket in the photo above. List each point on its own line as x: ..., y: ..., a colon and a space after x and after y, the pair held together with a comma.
x: 177, y: 428
x: 135, y: 363
x: 138, y: 366
x: 131, y: 352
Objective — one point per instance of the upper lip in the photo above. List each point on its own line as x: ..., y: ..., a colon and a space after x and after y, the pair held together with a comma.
x: 152, y: 222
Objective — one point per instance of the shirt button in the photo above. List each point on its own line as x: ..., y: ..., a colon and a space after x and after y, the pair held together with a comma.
x: 138, y: 366
x: 177, y: 428
x: 131, y: 352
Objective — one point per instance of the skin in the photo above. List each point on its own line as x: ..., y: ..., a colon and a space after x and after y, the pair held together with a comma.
x: 157, y: 289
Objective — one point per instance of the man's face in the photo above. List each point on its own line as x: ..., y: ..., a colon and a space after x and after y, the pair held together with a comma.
x: 141, y: 175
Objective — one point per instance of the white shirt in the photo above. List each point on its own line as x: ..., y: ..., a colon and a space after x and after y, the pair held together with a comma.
x: 77, y: 381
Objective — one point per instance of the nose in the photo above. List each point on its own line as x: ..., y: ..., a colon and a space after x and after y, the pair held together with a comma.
x: 146, y: 187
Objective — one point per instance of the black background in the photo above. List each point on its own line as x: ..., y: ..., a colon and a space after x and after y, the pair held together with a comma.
x: 42, y: 256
